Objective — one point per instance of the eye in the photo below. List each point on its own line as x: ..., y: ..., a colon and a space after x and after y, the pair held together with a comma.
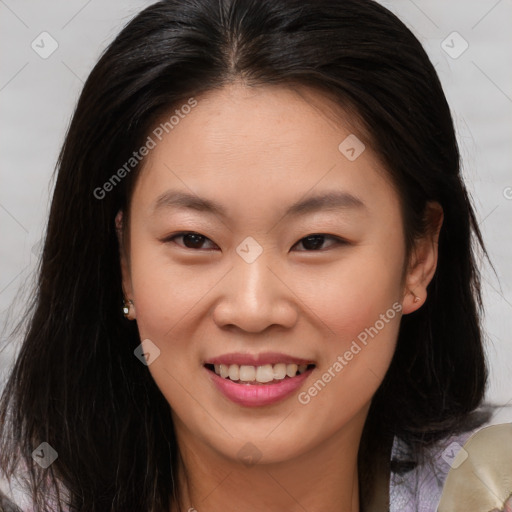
x: 315, y: 241
x: 312, y: 243
x: 191, y: 240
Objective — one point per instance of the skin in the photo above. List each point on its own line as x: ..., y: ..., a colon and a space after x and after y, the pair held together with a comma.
x: 256, y: 151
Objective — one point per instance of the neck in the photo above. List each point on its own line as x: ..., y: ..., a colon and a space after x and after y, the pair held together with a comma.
x: 323, y: 478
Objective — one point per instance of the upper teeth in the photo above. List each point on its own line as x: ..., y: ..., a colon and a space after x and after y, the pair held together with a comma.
x: 265, y: 373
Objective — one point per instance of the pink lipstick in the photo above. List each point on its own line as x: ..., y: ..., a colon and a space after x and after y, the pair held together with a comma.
x: 254, y: 380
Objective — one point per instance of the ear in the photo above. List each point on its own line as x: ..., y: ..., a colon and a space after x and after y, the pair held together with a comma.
x: 423, y: 260
x: 125, y: 266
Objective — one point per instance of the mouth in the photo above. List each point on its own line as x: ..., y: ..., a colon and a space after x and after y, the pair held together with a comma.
x: 258, y: 375
x: 256, y: 380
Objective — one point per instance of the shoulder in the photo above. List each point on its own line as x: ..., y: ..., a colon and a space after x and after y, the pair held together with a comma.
x: 9, y: 496
x: 441, y: 479
x: 6, y: 505
x: 419, y: 489
x: 482, y: 478
x: 14, y: 496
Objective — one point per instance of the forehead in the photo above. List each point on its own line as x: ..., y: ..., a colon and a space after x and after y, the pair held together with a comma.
x: 248, y: 145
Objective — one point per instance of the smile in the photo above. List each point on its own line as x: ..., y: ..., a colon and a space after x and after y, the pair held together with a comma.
x: 258, y: 374
x: 257, y: 380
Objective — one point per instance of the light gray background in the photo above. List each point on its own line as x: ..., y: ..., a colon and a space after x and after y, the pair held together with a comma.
x: 37, y: 98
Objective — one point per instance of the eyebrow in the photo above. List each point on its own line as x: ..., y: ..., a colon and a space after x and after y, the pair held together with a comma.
x: 330, y: 201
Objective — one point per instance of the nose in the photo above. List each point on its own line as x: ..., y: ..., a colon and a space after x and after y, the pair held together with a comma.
x: 255, y: 296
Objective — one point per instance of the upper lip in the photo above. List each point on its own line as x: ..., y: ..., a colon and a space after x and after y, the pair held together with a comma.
x: 257, y: 359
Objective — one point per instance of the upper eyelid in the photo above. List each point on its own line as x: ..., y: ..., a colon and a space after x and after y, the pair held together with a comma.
x: 177, y: 235
x: 335, y: 238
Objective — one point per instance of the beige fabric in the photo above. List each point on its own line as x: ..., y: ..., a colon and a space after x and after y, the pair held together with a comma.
x: 480, y: 478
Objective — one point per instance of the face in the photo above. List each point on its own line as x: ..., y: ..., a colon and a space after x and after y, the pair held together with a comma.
x: 297, y: 271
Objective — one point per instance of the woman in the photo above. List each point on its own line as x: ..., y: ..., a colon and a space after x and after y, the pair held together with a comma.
x: 195, y: 344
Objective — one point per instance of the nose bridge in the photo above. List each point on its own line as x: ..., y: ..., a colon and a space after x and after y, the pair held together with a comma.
x: 253, y: 284
x: 254, y: 297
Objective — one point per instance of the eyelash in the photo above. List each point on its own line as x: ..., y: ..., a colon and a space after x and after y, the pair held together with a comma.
x: 338, y: 241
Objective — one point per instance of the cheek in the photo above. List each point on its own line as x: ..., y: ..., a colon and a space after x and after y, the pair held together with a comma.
x: 362, y: 311
x: 360, y: 304
x: 166, y: 293
x: 354, y: 292
x: 166, y: 301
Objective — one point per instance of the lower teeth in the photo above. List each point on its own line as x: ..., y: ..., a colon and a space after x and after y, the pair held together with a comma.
x: 256, y: 382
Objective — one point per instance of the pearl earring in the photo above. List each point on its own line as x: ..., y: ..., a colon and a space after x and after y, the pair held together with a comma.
x: 126, y: 307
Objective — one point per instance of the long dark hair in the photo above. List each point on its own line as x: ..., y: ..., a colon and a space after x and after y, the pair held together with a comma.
x: 76, y: 383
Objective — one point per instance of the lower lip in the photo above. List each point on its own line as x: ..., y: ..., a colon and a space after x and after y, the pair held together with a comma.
x: 256, y: 395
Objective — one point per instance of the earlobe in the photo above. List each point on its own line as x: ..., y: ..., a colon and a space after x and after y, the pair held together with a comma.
x: 128, y: 304
x: 423, y: 262
x: 119, y: 223
x: 129, y: 309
